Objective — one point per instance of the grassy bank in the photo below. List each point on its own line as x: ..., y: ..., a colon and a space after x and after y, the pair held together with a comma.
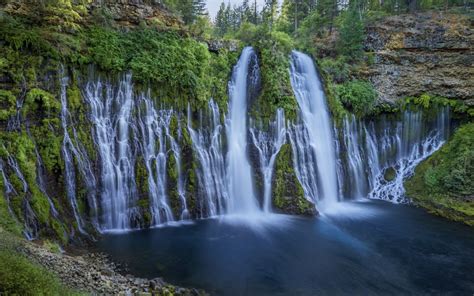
x: 444, y: 183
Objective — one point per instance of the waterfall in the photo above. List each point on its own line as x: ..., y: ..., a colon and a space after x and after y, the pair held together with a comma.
x: 111, y: 111
x: 382, y: 153
x: 154, y: 126
x: 355, y: 163
x: 67, y: 148
x: 316, y: 132
x: 30, y: 222
x: 211, y: 172
x: 304, y: 160
x: 268, y: 145
x: 239, y: 173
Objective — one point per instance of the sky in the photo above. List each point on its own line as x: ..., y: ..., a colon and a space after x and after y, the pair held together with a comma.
x: 213, y: 5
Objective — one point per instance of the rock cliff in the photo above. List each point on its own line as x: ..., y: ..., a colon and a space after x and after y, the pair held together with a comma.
x: 421, y: 53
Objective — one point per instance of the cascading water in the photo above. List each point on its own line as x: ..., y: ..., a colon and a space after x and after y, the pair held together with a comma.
x: 180, y: 178
x: 355, y: 159
x: 316, y: 132
x: 381, y: 154
x: 154, y: 128
x: 111, y: 112
x: 67, y: 148
x: 239, y: 173
x: 31, y: 224
x: 268, y: 145
x: 211, y: 173
x: 304, y: 160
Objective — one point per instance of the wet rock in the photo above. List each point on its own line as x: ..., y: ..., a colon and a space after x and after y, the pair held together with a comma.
x: 94, y: 273
x: 218, y: 44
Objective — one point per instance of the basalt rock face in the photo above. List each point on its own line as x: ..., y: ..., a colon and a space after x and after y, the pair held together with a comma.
x: 132, y: 12
x: 422, y: 53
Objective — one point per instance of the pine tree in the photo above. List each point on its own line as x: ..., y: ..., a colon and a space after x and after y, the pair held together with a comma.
x: 351, y: 34
x: 221, y: 20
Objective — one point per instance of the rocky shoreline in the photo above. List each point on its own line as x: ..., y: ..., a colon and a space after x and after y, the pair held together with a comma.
x: 94, y: 273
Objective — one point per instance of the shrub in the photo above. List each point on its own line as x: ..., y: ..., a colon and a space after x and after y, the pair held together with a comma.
x: 335, y: 69
x: 358, y: 96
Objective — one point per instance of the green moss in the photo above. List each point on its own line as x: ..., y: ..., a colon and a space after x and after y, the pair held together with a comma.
x: 390, y: 174
x: 220, y: 71
x: 172, y: 185
x: 60, y: 231
x: 141, y: 176
x: 52, y: 246
x: 7, y: 222
x: 288, y: 195
x: 7, y: 104
x: 74, y: 98
x: 444, y: 182
x: 274, y: 58
x: 144, y: 205
x: 39, y: 101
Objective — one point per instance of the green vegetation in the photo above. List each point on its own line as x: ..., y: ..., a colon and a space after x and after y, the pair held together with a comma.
x: 357, y: 96
x: 20, y: 276
x: 427, y: 101
x: 444, y: 183
x: 288, y: 195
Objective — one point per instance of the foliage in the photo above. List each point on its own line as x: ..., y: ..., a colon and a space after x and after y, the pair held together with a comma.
x: 337, y: 70
x: 189, y: 10
x: 276, y: 90
x: 351, y: 35
x: 427, y: 101
x: 7, y: 104
x: 288, y: 195
x: 444, y: 182
x: 42, y: 102
x: 358, y: 96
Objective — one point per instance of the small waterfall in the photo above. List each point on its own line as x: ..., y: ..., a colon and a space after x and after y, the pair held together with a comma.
x: 382, y: 153
x: 268, y: 145
x: 211, y: 173
x: 31, y: 223
x: 239, y: 172
x: 355, y: 158
x: 67, y: 149
x: 304, y: 160
x: 415, y: 140
x: 111, y: 112
x: 16, y: 168
x: 317, y: 131
x: 14, y: 122
x: 154, y: 126
x: 8, y: 187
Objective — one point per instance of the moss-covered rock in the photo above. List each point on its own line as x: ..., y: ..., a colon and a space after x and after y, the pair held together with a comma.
x: 288, y: 195
x: 444, y: 183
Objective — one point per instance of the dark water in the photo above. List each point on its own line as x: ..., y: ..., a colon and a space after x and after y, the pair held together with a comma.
x: 369, y: 248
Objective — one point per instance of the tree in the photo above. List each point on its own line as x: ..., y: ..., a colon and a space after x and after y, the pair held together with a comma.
x: 351, y: 34
x: 189, y: 10
x: 222, y: 21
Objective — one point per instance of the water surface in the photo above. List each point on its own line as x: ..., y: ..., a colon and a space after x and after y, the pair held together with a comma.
x: 364, y: 248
